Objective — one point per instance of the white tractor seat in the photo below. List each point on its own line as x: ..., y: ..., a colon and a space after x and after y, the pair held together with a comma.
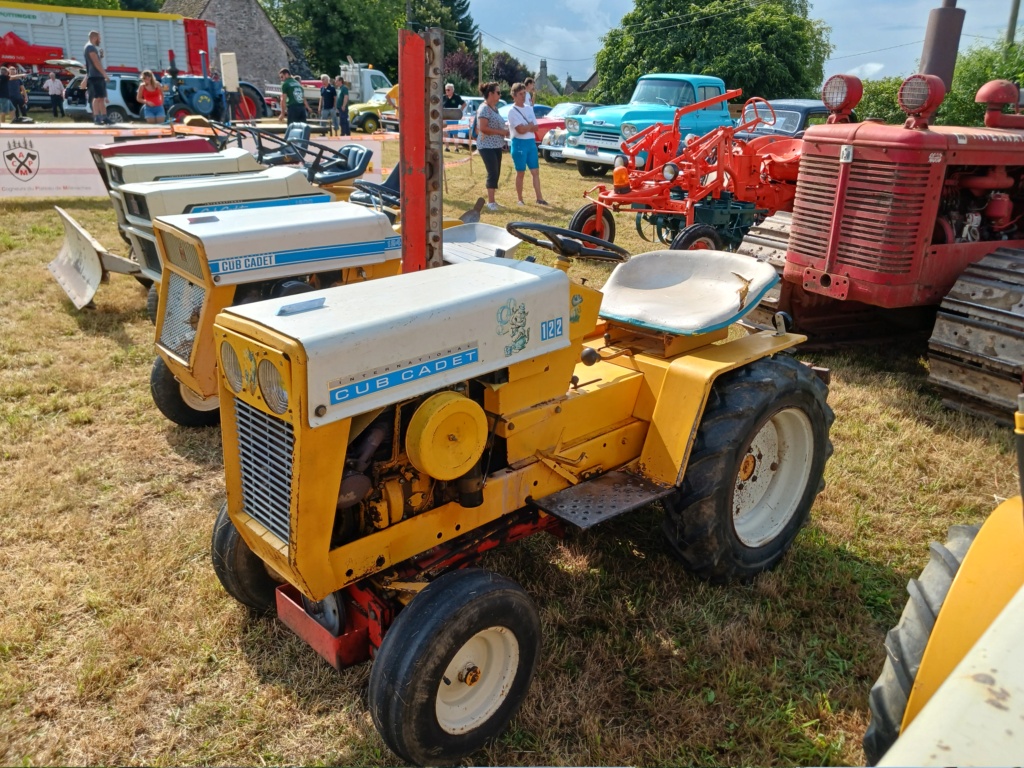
x: 472, y: 242
x: 686, y: 293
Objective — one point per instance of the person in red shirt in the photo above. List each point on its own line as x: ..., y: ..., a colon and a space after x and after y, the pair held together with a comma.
x: 151, y: 94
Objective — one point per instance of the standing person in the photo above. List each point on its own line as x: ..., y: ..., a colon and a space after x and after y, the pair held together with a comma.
x: 8, y: 84
x: 530, y: 85
x: 151, y: 94
x: 328, y: 101
x: 522, y: 126
x: 293, y: 100
x: 339, y: 84
x: 21, y: 103
x: 96, y: 78
x: 452, y: 101
x: 55, y: 88
x: 491, y: 139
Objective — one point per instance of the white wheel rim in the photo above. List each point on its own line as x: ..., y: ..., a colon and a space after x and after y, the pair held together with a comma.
x: 477, y: 680
x: 772, y: 477
x: 197, y: 402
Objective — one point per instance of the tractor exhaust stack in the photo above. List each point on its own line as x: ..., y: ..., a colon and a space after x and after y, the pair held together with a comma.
x: 942, y: 41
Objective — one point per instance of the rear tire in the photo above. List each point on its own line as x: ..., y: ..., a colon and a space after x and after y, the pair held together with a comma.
x: 905, y: 643
x: 454, y: 667
x: 152, y: 302
x: 177, y: 113
x: 754, y: 472
x: 697, y: 237
x: 585, y: 221
x: 240, y: 571
x: 251, y: 102
x: 117, y: 115
x: 172, y: 399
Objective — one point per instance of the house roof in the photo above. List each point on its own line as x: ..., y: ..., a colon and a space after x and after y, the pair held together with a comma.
x: 192, y: 9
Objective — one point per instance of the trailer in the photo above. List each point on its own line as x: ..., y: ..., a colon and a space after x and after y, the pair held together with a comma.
x: 131, y: 42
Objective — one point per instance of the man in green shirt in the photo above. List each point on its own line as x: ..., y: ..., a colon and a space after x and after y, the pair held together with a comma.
x: 294, y: 105
x: 342, y: 88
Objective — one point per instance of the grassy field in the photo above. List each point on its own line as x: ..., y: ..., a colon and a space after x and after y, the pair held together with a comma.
x: 118, y: 645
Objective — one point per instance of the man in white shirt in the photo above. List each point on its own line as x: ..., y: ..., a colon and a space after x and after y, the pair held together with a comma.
x: 522, y: 127
x: 55, y: 88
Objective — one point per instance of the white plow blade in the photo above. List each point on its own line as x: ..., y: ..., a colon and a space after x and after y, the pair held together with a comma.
x: 83, y: 264
x: 471, y: 242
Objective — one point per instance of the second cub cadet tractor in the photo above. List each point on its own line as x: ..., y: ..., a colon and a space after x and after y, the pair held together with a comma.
x: 234, y: 257
x: 379, y: 437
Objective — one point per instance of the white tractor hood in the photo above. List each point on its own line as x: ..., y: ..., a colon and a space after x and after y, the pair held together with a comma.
x: 378, y: 343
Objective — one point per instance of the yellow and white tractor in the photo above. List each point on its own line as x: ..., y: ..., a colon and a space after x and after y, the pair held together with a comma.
x: 951, y: 690
x: 379, y: 437
x: 219, y: 259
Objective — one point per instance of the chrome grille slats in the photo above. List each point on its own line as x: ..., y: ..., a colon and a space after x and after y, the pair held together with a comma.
x: 181, y: 316
x: 182, y: 254
x: 266, y: 450
x: 882, y: 213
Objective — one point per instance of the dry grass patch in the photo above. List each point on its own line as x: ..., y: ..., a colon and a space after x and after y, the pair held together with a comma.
x: 117, y: 644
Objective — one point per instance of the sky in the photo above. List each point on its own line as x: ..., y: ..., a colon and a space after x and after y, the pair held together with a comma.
x: 870, y: 38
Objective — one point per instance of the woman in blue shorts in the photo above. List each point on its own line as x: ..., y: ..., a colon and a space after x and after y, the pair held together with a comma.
x: 523, y: 125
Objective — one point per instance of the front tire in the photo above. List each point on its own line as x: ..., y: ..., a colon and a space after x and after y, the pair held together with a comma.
x: 152, y: 302
x: 754, y: 472
x: 177, y: 402
x: 697, y: 237
x: 905, y: 643
x: 240, y: 571
x: 591, y: 170
x: 370, y: 124
x: 454, y: 667
x: 586, y: 221
x: 117, y: 114
x: 177, y: 113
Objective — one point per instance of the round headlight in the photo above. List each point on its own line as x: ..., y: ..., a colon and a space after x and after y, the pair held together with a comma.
x: 619, y: 161
x: 920, y: 94
x: 572, y: 125
x: 272, y: 386
x: 670, y: 171
x: 842, y: 92
x: 230, y: 366
x: 629, y: 130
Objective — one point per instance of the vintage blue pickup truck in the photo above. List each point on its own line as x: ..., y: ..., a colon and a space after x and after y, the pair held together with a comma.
x: 593, y: 140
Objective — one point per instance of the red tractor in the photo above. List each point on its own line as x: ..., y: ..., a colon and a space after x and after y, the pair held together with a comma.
x: 696, y: 192
x: 893, y: 222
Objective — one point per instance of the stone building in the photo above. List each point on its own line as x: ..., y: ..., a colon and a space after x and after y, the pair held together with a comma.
x: 577, y: 86
x: 542, y: 83
x: 243, y: 28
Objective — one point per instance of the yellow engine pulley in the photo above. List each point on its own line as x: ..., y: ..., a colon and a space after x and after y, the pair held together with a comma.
x: 446, y: 436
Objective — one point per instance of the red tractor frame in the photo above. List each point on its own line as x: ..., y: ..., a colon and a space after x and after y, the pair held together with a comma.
x: 694, y: 192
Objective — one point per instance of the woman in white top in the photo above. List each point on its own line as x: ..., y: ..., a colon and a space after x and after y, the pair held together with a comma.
x: 522, y: 126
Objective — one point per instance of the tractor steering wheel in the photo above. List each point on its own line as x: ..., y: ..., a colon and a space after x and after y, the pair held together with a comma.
x: 753, y: 102
x: 387, y: 196
x: 568, y: 243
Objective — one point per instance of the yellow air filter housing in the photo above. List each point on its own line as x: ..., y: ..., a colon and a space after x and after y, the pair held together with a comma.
x: 446, y: 436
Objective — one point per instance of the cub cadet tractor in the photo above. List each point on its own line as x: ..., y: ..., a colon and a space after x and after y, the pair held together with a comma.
x: 379, y: 437
x: 952, y: 688
x: 235, y: 257
x: 82, y: 263
x: 697, y: 192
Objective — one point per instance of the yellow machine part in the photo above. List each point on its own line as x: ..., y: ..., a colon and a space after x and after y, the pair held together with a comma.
x: 991, y: 574
x: 446, y: 436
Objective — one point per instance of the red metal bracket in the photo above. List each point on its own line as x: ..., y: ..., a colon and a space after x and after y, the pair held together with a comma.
x: 817, y: 281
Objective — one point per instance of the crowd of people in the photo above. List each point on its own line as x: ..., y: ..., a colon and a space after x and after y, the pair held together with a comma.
x: 333, y: 107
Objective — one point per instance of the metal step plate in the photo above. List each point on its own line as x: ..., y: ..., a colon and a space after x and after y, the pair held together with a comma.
x: 594, y: 501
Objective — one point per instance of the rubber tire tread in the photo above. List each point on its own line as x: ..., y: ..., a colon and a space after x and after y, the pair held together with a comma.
x: 166, y: 393
x: 370, y: 120
x: 257, y: 98
x: 239, y: 570
x: 698, y: 522
x: 591, y: 170
x: 152, y: 302
x: 415, y: 652
x: 905, y: 643
x: 689, y: 235
x: 589, y: 211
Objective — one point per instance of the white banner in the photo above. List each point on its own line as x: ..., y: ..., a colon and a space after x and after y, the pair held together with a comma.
x: 55, y: 162
x: 51, y: 162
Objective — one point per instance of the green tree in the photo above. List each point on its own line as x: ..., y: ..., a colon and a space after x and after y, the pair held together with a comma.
x: 147, y: 6
x: 771, y: 49
x: 975, y: 67
x: 880, y: 100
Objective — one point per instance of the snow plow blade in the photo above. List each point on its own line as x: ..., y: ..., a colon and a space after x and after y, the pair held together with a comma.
x: 83, y: 264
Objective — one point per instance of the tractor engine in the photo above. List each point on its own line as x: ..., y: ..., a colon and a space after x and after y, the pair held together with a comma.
x: 979, y: 204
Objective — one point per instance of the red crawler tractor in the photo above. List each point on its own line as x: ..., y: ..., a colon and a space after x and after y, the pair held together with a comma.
x: 698, y: 191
